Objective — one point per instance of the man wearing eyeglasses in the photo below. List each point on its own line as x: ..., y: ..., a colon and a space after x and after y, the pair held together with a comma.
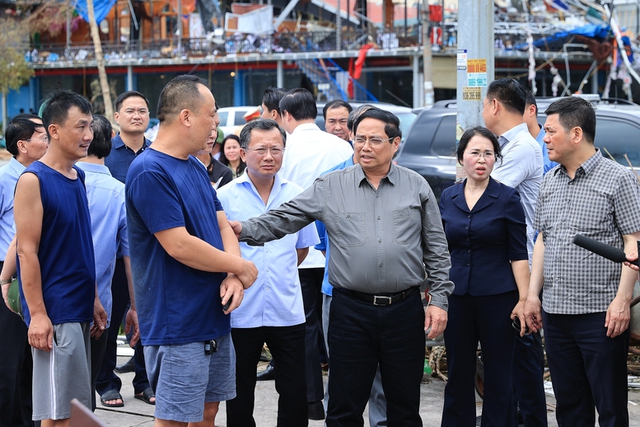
x: 27, y: 141
x: 132, y: 115
x: 336, y: 114
x: 272, y: 310
x: 385, y: 234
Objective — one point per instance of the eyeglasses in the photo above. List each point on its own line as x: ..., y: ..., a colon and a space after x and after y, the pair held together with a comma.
x: 374, y: 140
x: 486, y: 154
x: 261, y: 151
x: 43, y: 138
x: 140, y: 111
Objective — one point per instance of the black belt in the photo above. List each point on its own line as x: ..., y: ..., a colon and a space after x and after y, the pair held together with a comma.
x: 382, y: 300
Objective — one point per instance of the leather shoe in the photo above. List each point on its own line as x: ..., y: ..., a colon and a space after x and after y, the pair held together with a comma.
x: 130, y: 366
x: 316, y: 411
x: 267, y: 374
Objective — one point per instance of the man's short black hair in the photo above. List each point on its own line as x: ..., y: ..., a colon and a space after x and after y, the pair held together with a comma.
x: 531, y: 100
x: 574, y: 111
x: 259, y: 124
x: 129, y: 94
x: 336, y: 103
x: 58, y: 106
x: 180, y: 93
x: 101, y: 143
x: 392, y: 123
x: 271, y: 98
x: 300, y: 103
x: 510, y: 93
x: 21, y: 127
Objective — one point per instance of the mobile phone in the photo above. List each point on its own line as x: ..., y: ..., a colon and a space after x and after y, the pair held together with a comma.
x: 210, y: 347
x: 516, y: 325
x: 225, y: 307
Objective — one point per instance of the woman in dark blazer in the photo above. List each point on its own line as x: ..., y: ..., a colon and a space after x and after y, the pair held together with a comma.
x: 486, y: 230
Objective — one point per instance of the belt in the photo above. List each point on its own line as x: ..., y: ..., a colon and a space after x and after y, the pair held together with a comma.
x: 381, y: 300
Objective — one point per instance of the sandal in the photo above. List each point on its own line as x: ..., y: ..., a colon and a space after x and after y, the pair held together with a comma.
x: 146, y: 396
x: 112, y: 395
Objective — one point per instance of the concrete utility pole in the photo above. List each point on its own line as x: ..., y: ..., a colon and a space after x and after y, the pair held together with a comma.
x: 475, y: 61
x: 426, y: 55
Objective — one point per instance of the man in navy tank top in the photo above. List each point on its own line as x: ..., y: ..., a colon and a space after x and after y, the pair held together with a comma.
x: 56, y: 264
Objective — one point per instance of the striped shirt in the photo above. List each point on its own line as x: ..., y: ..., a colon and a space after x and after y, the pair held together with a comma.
x: 601, y: 202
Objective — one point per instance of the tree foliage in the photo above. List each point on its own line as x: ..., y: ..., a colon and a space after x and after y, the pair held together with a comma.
x: 14, y: 43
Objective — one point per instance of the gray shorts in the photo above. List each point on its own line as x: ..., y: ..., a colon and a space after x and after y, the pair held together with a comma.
x: 184, y: 378
x: 63, y: 373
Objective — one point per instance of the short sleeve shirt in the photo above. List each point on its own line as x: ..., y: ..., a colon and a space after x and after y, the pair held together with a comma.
x: 601, y: 202
x: 176, y: 303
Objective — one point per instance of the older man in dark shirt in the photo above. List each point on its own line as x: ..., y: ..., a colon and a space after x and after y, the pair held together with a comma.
x: 385, y: 236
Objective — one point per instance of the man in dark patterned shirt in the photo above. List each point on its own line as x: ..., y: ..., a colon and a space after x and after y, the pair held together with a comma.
x: 585, y: 303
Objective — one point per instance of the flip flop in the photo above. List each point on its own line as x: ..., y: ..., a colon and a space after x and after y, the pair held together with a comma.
x: 146, y: 396
x: 111, y: 395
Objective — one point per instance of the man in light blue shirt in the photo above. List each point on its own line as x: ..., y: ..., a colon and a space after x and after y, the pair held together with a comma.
x: 27, y: 141
x: 522, y: 167
x: 536, y: 130
x: 272, y: 310
x: 109, y: 232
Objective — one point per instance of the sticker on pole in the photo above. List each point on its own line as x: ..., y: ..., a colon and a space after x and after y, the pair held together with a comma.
x: 461, y: 59
x: 471, y: 93
x: 477, y: 72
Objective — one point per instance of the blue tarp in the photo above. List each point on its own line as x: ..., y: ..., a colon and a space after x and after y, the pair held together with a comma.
x: 600, y: 32
x: 101, y: 9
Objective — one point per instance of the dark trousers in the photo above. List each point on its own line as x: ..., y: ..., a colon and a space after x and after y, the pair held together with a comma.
x: 485, y: 319
x: 528, y: 372
x: 16, y: 371
x: 361, y: 336
x: 588, y: 370
x: 107, y: 379
x: 287, y: 346
x: 98, y: 347
x: 311, y: 283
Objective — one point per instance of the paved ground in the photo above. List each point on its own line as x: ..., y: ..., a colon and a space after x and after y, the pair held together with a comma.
x: 138, y: 413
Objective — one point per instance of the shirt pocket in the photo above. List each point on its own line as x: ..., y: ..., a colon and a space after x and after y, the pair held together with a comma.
x: 406, y: 225
x: 350, y: 230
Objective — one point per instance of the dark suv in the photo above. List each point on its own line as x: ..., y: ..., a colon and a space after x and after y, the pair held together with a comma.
x: 429, y: 147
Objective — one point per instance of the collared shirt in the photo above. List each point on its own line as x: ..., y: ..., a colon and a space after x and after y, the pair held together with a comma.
x: 275, y: 298
x: 9, y: 175
x: 121, y: 156
x: 601, y: 202
x: 108, y: 225
x: 327, y: 289
x: 381, y: 241
x: 522, y: 168
x: 310, y: 152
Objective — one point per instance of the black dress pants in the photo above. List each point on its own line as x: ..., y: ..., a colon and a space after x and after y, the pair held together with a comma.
x: 287, y: 347
x: 16, y: 372
x: 311, y: 283
x: 361, y: 336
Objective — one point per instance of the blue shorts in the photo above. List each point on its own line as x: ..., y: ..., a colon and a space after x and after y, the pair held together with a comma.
x: 184, y: 378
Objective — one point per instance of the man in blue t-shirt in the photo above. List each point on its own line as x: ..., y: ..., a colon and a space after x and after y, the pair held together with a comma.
x: 56, y: 262
x: 185, y: 261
